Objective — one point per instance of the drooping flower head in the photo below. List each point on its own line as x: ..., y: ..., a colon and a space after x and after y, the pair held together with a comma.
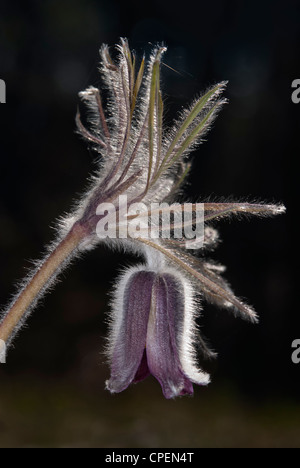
x: 153, y: 331
x: 142, y: 165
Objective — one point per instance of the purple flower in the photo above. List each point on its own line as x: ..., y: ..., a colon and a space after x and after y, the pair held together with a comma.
x: 142, y: 161
x: 152, y: 333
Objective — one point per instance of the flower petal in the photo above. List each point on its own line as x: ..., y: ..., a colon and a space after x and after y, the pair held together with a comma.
x: 163, y: 326
x: 143, y: 370
x: 127, y: 357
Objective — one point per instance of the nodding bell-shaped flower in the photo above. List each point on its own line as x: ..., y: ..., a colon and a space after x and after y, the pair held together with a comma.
x: 142, y: 161
x: 152, y: 332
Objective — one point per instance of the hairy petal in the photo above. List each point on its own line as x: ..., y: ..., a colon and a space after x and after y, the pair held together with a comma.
x: 189, y: 336
x: 162, y: 348
x: 130, y: 339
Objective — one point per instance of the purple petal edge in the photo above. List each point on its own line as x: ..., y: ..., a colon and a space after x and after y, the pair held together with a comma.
x: 131, y: 340
x: 162, y: 350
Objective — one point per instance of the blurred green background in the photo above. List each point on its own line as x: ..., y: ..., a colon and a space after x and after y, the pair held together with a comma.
x: 52, y: 386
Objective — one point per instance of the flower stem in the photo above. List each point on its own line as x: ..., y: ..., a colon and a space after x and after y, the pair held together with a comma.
x: 39, y: 282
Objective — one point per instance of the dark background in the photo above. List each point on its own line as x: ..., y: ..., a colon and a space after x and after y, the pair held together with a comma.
x: 52, y: 386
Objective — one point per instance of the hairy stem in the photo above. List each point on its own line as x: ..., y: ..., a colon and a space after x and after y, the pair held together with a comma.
x: 39, y: 282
